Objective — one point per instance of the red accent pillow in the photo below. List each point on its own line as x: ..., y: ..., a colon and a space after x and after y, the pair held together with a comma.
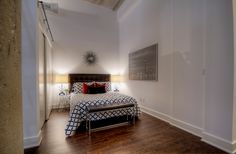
x: 85, y: 87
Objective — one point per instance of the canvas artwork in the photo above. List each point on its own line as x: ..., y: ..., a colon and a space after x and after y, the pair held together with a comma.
x: 143, y: 64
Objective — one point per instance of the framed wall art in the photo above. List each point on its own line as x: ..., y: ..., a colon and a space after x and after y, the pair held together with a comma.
x: 143, y: 64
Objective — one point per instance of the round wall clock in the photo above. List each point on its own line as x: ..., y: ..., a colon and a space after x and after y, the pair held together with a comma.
x: 90, y: 58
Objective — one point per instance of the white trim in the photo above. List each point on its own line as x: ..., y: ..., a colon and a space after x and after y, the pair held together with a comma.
x: 61, y: 107
x: 42, y: 30
x: 234, y: 146
x: 155, y: 114
x: 175, y: 122
x: 33, y: 141
x: 234, y: 88
x: 186, y: 126
x: 172, y: 33
x: 204, y: 39
x: 217, y: 142
x: 234, y: 142
x: 126, y: 9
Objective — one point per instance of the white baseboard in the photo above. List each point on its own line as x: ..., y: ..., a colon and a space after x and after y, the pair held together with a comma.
x: 175, y: 122
x: 156, y: 114
x: 187, y: 127
x: 61, y: 107
x: 234, y: 147
x: 48, y: 113
x: 234, y: 142
x: 218, y: 142
x: 33, y: 141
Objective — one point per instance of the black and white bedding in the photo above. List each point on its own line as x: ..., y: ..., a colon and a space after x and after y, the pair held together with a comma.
x: 80, y: 101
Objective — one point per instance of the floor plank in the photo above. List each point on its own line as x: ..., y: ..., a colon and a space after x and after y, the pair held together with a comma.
x: 149, y: 135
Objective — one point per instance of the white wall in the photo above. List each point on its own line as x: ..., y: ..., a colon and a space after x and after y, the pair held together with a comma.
x: 32, y: 71
x: 78, y: 29
x: 47, y: 68
x: 195, y: 80
x: 49, y: 78
x: 29, y: 36
x: 138, y: 29
x: 41, y: 66
x: 188, y: 47
x: 234, y: 112
x: 219, y: 64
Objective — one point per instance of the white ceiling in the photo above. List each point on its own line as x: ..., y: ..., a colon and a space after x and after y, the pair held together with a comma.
x: 110, y: 4
x: 102, y: 8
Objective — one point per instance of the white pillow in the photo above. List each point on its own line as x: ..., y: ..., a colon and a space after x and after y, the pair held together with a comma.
x: 78, y: 87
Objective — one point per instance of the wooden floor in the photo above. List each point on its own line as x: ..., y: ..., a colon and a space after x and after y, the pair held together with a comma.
x: 149, y: 135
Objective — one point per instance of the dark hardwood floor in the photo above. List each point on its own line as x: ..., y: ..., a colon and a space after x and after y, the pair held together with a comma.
x: 149, y: 135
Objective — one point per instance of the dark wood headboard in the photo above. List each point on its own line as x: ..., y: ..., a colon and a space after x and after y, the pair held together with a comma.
x: 88, y: 78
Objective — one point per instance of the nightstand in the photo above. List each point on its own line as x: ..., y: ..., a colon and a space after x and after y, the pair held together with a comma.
x: 64, y: 102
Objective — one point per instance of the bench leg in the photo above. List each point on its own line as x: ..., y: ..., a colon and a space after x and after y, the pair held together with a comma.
x: 133, y: 115
x: 127, y: 114
x: 89, y: 122
x: 86, y: 125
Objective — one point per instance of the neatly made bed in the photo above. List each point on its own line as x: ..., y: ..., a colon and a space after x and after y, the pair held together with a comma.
x: 79, y: 101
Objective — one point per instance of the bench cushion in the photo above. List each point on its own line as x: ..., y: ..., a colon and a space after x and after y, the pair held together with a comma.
x: 105, y: 107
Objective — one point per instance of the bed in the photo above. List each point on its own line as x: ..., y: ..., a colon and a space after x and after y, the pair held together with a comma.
x: 79, y: 101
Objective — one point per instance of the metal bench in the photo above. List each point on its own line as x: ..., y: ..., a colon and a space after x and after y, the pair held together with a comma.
x: 109, y: 107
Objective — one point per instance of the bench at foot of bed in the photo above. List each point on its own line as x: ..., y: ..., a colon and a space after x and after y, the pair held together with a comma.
x: 109, y: 107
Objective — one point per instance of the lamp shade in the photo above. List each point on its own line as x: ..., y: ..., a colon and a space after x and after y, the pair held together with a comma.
x: 116, y: 78
x: 61, y: 79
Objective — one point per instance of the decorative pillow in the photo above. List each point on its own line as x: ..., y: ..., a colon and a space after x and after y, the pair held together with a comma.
x: 101, y: 89
x: 92, y: 90
x: 85, y: 87
x: 96, y: 90
x: 107, y: 85
x: 78, y: 87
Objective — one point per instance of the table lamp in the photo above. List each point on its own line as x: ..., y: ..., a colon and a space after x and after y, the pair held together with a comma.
x: 116, y: 79
x: 61, y: 79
